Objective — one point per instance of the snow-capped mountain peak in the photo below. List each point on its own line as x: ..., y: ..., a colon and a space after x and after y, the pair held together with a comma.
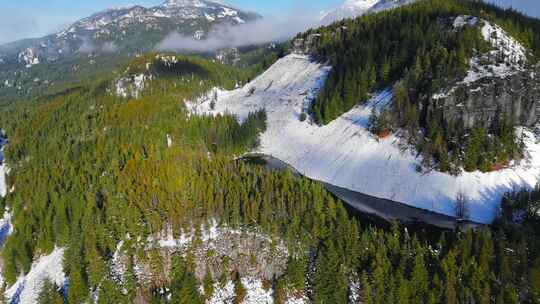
x: 126, y: 30
x: 195, y: 3
x: 355, y: 8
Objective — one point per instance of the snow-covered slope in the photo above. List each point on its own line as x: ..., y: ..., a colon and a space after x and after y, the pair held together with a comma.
x: 26, y: 289
x: 355, y: 8
x: 507, y: 57
x: 346, y: 154
x: 3, y: 167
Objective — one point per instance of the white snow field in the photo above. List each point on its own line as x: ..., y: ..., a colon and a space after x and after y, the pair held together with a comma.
x: 344, y: 153
x: 3, y: 167
x: 26, y: 289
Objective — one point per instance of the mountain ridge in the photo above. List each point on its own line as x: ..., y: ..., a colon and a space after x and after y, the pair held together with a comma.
x: 88, y: 44
x: 116, y: 25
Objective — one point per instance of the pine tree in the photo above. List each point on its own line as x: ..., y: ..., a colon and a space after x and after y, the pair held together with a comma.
x: 208, y: 285
x: 450, y: 278
x: 279, y: 294
x: 330, y: 283
x: 534, y: 281
x: 419, y: 278
x: 367, y: 290
x: 3, y: 298
x: 50, y: 294
x: 296, y: 268
x: 240, y: 291
x: 184, y: 287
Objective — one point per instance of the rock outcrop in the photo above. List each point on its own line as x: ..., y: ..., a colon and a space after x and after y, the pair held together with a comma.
x: 515, y: 98
x: 303, y: 46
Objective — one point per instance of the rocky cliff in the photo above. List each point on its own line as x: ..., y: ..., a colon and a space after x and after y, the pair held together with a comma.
x: 515, y: 98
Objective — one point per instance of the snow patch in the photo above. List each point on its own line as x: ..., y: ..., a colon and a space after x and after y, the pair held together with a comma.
x: 26, y: 289
x: 507, y: 58
x: 301, y: 300
x: 463, y: 20
x: 255, y: 293
x: 6, y: 228
x: 223, y: 294
x: 132, y: 86
x: 29, y: 57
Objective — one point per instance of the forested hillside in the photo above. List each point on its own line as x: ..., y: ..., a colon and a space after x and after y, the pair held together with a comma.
x: 90, y: 169
x: 146, y: 202
x: 418, y: 50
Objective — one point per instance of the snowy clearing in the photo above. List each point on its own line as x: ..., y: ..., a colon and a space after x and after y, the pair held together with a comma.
x: 344, y: 153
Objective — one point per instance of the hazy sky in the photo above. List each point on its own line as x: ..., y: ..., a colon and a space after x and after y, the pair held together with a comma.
x: 34, y: 18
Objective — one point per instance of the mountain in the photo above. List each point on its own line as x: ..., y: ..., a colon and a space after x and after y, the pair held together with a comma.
x: 31, y: 66
x: 355, y: 8
x: 132, y: 30
x: 415, y: 110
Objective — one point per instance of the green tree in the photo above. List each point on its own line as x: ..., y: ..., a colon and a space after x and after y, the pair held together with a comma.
x: 330, y: 283
x: 208, y: 285
x: 50, y: 294
x: 240, y: 291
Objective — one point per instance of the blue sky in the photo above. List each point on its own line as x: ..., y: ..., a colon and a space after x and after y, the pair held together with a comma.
x: 33, y: 18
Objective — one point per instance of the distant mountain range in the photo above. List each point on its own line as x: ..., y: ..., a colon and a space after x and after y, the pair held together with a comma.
x: 97, y: 43
x: 132, y: 29
x: 137, y: 29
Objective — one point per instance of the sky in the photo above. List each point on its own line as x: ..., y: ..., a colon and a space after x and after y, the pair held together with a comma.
x: 35, y: 18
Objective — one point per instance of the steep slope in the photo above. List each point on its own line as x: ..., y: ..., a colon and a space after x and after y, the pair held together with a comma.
x: 464, y: 74
x: 346, y: 154
x: 472, y: 105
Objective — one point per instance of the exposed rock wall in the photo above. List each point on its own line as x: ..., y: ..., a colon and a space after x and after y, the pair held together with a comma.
x: 303, y: 46
x: 515, y: 98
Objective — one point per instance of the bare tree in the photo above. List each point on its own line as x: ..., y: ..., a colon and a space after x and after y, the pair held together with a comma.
x: 462, y: 207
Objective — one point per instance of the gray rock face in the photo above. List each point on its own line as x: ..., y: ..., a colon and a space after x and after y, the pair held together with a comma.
x: 515, y: 98
x: 304, y: 46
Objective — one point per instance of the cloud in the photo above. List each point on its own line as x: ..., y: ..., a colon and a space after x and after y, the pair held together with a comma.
x: 109, y: 47
x: 252, y: 33
x: 88, y: 47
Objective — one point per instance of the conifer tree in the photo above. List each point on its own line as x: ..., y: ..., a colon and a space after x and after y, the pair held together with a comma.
x: 50, y: 294
x: 240, y: 291
x: 208, y: 285
x: 330, y: 284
